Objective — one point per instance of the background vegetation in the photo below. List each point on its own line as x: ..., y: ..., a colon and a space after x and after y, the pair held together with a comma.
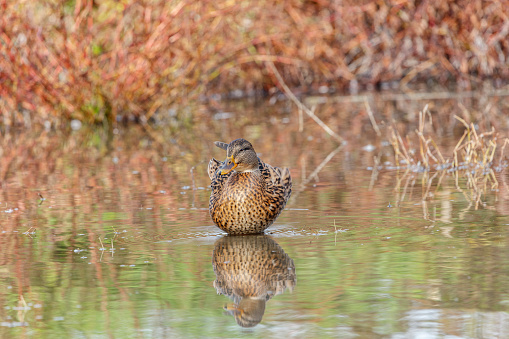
x: 102, y: 60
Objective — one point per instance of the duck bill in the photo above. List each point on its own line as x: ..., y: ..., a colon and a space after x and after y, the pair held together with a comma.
x: 233, y: 309
x: 228, y: 165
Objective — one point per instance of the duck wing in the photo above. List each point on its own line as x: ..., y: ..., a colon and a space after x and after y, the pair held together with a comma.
x: 217, y: 179
x: 212, y: 168
x: 278, y: 180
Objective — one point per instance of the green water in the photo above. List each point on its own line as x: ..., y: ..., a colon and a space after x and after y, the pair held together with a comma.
x: 110, y: 237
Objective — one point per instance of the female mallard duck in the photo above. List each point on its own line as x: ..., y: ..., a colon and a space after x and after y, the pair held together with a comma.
x: 247, y: 194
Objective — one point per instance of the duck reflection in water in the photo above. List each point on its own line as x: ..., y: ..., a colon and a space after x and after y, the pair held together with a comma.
x: 251, y: 270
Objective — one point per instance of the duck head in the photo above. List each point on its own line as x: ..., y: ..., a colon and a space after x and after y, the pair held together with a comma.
x: 240, y: 156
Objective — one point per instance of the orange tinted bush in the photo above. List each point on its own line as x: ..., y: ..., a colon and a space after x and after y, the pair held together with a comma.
x: 94, y: 60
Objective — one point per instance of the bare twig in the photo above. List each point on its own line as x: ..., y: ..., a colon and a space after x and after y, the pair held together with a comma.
x: 372, y: 118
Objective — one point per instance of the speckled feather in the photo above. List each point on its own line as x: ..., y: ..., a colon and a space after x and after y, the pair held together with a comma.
x: 251, y: 270
x: 251, y: 266
x: 248, y: 202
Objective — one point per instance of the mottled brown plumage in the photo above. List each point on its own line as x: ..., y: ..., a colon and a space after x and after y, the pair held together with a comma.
x: 247, y: 194
x: 251, y: 270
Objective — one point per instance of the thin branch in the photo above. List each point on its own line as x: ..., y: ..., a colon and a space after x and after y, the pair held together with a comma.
x: 372, y: 118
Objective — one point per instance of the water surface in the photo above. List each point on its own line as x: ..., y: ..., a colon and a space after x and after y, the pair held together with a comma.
x: 109, y: 235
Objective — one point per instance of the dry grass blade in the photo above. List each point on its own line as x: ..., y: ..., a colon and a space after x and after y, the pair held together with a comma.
x: 506, y: 142
x: 473, y: 156
x: 399, y: 147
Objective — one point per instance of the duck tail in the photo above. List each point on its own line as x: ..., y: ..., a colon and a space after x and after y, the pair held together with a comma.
x: 212, y: 168
x: 286, y: 180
